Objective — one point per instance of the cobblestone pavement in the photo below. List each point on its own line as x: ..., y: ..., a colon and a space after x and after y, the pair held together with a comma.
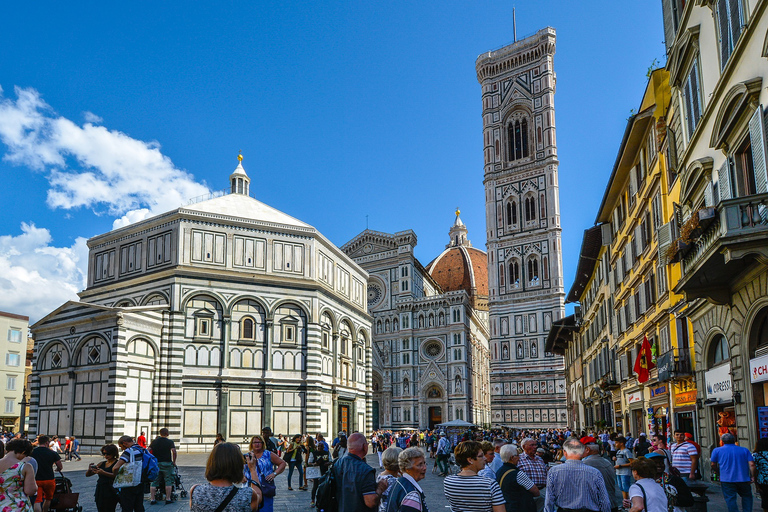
x: 192, y: 470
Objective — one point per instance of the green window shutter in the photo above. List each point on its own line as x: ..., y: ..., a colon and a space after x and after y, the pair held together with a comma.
x: 724, y: 181
x: 757, y: 137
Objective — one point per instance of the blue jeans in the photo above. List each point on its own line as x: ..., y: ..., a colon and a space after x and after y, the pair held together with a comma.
x: 295, y: 464
x: 743, y: 489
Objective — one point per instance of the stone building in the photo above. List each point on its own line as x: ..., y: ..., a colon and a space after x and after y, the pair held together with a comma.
x: 224, y: 315
x: 717, y: 151
x: 525, y: 276
x: 430, y: 341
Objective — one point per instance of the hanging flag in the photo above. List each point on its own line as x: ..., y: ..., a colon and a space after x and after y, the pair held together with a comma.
x: 644, y: 363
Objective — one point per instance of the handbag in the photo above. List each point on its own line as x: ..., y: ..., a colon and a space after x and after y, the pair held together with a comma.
x: 312, y: 472
x: 129, y: 475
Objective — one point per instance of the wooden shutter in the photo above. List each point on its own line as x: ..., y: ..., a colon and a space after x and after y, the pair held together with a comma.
x: 639, y: 241
x: 708, y: 195
x: 721, y: 16
x: 724, y: 181
x: 669, y: 27
x: 643, y: 301
x: 757, y: 137
x: 607, y: 234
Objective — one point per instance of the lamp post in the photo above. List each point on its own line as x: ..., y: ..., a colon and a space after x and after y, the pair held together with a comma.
x: 23, y: 413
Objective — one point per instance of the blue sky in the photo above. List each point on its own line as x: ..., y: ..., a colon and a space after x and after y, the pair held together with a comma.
x: 341, y: 110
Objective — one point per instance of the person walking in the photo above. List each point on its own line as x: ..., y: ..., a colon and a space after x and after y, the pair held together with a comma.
x: 142, y: 440
x: 737, y: 469
x: 17, y: 478
x: 272, y: 443
x: 760, y: 457
x: 679, y: 496
x: 574, y: 485
x: 622, y: 464
x: 105, y: 496
x: 641, y: 446
x: 391, y: 463
x: 467, y: 491
x: 593, y: 459
x: 294, y: 454
x: 406, y: 495
x: 536, y: 469
x: 356, y: 487
x: 132, y: 497
x: 74, y: 448
x: 685, y: 457
x: 224, y: 473
x: 443, y: 454
x: 645, y: 495
x: 517, y: 488
x: 322, y: 458
x: 165, y: 451
x: 269, y: 466
x: 46, y: 481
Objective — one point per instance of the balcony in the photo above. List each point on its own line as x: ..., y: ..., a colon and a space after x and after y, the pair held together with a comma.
x: 726, y: 248
x: 670, y: 366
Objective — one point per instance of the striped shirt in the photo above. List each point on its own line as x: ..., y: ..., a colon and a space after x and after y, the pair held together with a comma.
x: 574, y: 485
x: 472, y: 493
x: 535, y: 468
x: 681, y: 457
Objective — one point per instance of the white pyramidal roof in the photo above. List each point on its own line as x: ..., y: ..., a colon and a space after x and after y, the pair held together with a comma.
x: 244, y: 207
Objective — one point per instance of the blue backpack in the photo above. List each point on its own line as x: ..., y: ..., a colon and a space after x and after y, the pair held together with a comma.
x: 149, y: 467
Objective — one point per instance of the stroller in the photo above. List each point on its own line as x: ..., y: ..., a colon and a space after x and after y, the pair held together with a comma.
x: 63, y: 498
x: 178, y: 485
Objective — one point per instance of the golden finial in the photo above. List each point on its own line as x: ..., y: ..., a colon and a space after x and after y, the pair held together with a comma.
x: 240, y: 156
x: 458, y: 212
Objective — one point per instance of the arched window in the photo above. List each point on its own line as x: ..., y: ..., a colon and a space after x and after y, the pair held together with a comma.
x: 518, y: 141
x: 533, y: 269
x: 517, y: 136
x: 524, y: 129
x: 514, y: 273
x: 720, y: 350
x: 530, y: 209
x: 247, y: 328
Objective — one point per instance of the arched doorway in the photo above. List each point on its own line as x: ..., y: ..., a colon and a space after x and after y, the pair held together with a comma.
x: 377, y: 401
x: 758, y: 351
x: 434, y: 396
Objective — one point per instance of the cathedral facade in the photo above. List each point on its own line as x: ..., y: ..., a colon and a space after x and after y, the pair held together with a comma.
x: 525, y: 276
x: 222, y: 316
x: 430, y: 355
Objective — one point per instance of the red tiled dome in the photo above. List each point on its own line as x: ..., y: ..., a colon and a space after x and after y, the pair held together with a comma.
x: 461, y: 268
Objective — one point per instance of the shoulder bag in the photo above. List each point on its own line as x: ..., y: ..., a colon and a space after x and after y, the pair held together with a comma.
x: 129, y: 475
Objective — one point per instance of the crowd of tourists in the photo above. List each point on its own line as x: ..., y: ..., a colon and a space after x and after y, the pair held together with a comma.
x: 493, y: 471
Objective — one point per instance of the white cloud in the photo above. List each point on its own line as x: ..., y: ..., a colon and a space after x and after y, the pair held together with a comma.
x: 91, y: 166
x: 92, y: 118
x: 37, y: 277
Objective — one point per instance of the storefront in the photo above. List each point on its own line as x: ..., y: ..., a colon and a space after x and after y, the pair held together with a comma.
x: 758, y: 371
x: 636, y: 421
x: 719, y: 400
x: 658, y: 412
x: 685, y: 406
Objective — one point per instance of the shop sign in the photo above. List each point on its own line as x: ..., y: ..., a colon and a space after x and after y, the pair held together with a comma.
x: 685, y: 398
x: 758, y: 369
x: 719, y: 384
x: 659, y: 390
x: 635, y: 397
x: 666, y: 365
x: 684, y: 386
x: 762, y: 421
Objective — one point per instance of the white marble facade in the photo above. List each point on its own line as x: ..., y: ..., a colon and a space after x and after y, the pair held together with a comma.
x: 430, y: 358
x: 218, y: 317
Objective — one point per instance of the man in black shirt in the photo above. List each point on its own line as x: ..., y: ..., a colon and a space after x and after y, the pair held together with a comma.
x: 269, y: 440
x: 45, y: 478
x: 356, y: 486
x: 165, y: 451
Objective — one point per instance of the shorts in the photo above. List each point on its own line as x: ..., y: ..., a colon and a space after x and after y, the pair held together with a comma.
x: 623, y: 482
x: 165, y: 475
x: 45, y: 490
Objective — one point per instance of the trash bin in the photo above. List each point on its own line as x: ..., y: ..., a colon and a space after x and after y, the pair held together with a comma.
x: 700, y: 498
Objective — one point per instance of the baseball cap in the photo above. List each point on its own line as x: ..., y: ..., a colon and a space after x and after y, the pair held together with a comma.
x: 588, y: 440
x: 442, y: 434
x: 653, y: 455
x: 688, y: 436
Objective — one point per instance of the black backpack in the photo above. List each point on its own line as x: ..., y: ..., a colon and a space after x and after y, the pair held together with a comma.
x: 326, y: 500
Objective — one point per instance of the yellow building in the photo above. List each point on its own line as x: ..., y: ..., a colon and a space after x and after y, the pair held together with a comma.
x: 638, y: 207
x: 13, y: 351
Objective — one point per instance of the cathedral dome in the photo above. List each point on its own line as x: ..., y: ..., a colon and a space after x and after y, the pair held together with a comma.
x: 461, y: 266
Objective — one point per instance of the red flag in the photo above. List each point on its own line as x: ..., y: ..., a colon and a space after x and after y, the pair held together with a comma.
x: 644, y: 362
